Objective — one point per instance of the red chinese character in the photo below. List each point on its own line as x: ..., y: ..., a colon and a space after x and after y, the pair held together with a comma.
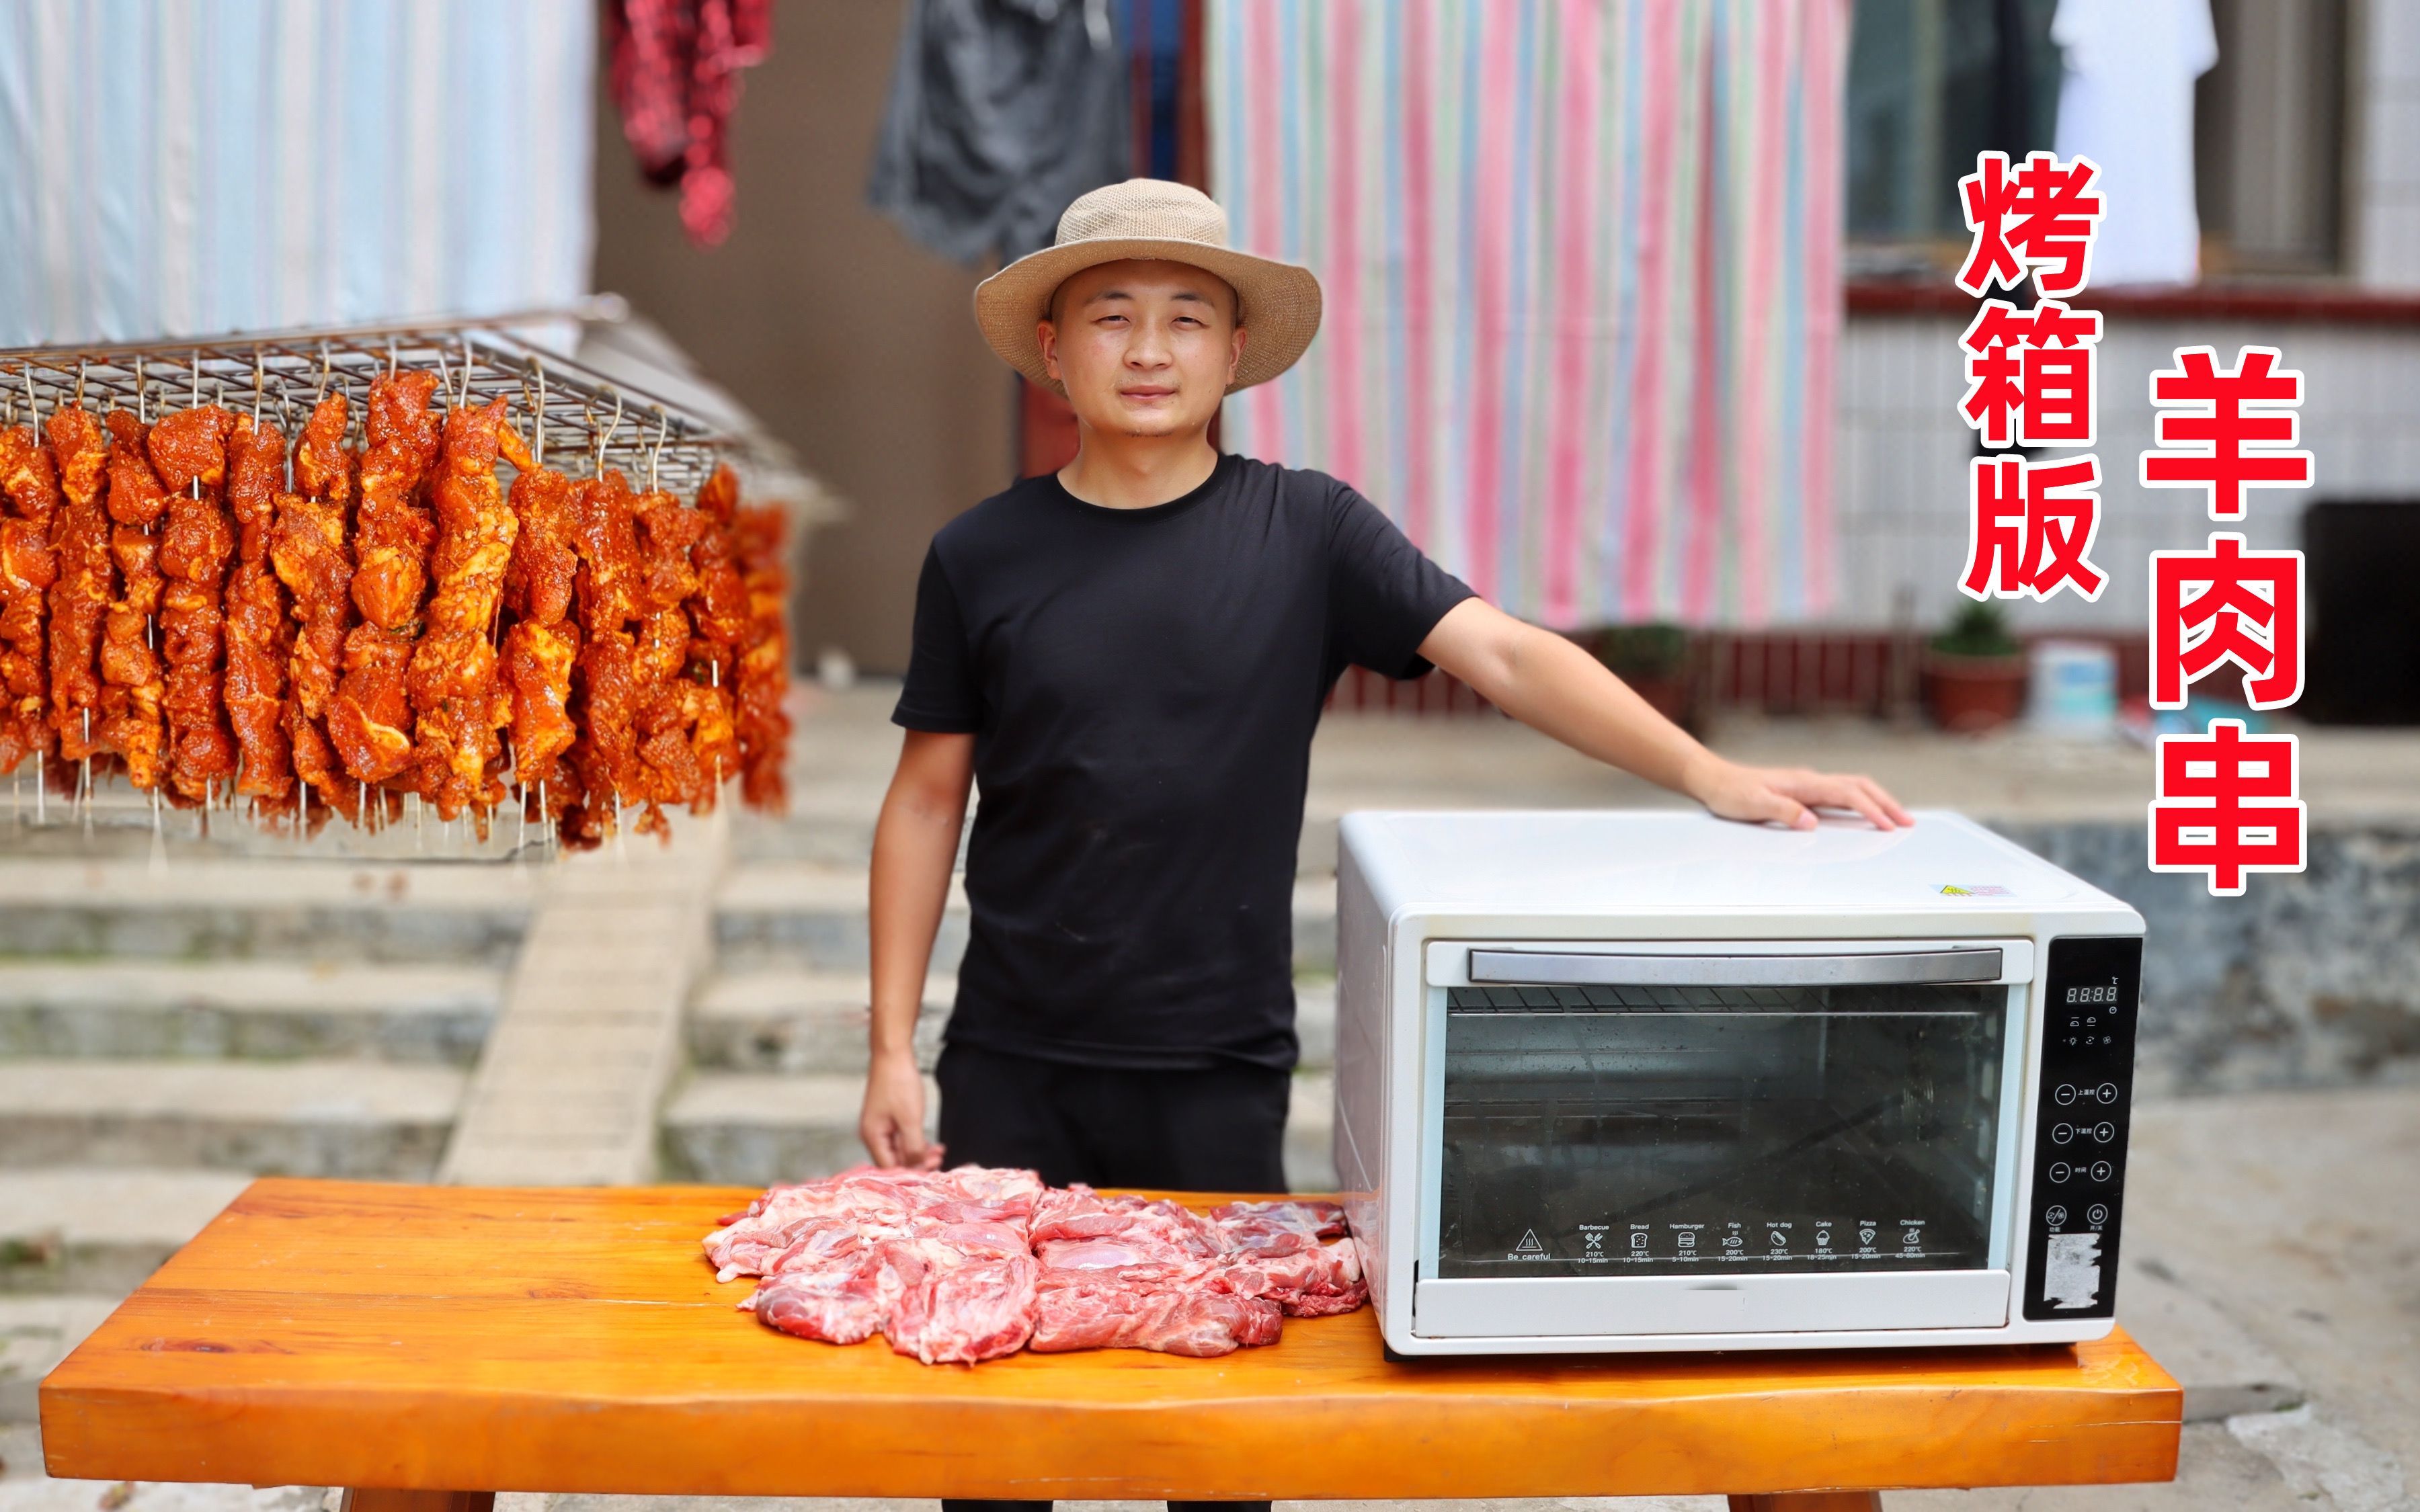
x: 2027, y: 534
x: 2229, y: 620
x: 2041, y: 216
x: 2227, y: 803
x: 2029, y: 374
x: 2211, y: 442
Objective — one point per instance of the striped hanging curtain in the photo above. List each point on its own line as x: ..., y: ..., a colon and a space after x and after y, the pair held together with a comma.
x: 1582, y: 270
x: 183, y: 169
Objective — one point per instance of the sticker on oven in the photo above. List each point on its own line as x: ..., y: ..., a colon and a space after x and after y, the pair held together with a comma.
x: 1529, y: 1249
x: 1972, y: 889
x: 2072, y: 1271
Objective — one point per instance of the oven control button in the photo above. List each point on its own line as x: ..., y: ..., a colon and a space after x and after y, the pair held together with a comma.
x: 2061, y: 1134
x: 2096, y: 1216
x: 2108, y: 1093
x: 2055, y: 1215
x: 2101, y: 1170
x: 2105, y: 1132
x: 2065, y: 1095
x: 2059, y: 1172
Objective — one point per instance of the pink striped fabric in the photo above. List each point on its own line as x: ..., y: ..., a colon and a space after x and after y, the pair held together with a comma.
x: 1582, y: 274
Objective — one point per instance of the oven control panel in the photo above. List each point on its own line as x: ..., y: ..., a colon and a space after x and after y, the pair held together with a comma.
x: 2085, y: 1092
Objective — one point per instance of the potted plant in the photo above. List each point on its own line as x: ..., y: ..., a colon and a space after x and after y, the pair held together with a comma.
x: 1654, y: 660
x: 1975, y: 671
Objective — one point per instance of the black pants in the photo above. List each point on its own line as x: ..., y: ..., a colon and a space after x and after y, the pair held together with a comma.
x: 1181, y: 1131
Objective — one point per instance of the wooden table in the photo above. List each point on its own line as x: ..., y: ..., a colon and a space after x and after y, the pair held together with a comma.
x: 430, y: 1346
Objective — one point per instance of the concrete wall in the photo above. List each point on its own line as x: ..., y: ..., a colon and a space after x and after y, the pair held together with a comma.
x: 2305, y: 980
x: 1903, y: 456
x: 2383, y: 183
x: 853, y: 344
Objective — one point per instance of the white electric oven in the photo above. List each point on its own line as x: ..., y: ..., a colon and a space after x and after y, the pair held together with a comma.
x: 1631, y: 1081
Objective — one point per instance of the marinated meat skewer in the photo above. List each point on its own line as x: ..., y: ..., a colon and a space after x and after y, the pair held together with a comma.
x: 131, y: 716
x: 720, y: 611
x: 369, y: 720
x: 189, y: 451
x: 393, y: 531
x: 669, y: 768
x: 541, y: 646
x: 605, y: 758
x: 311, y: 551
x: 453, y: 676
x: 719, y: 621
x: 764, y: 660
x: 78, y: 594
x: 258, y: 638
x: 28, y: 568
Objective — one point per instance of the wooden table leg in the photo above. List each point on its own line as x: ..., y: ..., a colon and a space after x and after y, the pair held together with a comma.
x: 1810, y: 1501
x: 376, y: 1499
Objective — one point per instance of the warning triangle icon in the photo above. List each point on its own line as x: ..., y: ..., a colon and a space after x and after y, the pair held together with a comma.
x: 1529, y: 1245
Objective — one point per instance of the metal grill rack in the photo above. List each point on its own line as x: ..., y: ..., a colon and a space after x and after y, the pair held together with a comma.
x: 590, y: 422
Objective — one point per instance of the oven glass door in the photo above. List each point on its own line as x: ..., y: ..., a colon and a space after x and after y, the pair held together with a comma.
x: 1691, y: 1125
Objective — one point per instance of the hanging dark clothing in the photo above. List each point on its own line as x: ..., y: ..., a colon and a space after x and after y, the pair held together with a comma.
x: 1001, y: 113
x: 673, y: 69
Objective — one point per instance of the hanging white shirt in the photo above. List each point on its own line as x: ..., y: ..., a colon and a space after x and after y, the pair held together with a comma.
x: 2126, y: 101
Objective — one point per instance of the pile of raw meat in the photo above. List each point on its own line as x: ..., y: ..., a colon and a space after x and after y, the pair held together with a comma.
x: 976, y: 1263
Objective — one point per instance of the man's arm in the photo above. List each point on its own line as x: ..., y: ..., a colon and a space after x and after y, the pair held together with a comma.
x: 1552, y: 686
x: 915, y: 846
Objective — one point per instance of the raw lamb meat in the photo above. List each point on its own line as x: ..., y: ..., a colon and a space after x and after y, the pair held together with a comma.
x: 958, y: 1310
x: 975, y: 1263
x: 873, y: 1202
x: 842, y: 1300
x: 1085, y: 1314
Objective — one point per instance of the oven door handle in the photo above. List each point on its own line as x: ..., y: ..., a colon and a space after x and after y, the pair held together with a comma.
x: 1906, y: 969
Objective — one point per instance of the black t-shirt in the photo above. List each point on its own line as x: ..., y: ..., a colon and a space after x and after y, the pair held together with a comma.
x: 1143, y: 686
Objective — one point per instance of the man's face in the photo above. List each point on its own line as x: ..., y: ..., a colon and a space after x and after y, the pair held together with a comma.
x: 1144, y: 347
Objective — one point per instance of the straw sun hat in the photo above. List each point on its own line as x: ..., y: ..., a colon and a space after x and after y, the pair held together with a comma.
x: 1151, y: 218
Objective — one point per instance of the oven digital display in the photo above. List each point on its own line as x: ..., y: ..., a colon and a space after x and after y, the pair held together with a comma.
x: 2106, y: 992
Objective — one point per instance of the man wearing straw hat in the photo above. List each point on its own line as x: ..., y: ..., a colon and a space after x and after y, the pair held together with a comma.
x: 1130, y: 655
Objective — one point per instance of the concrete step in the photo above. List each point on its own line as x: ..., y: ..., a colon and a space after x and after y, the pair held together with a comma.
x: 788, y: 1022
x: 250, y: 1009
x: 36, y: 1333
x: 463, y: 912
x: 296, y: 1117
x: 830, y: 823
x: 813, y: 915
x: 802, y: 914
x: 753, y: 1130
x: 772, y: 1020
x: 101, y: 1231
